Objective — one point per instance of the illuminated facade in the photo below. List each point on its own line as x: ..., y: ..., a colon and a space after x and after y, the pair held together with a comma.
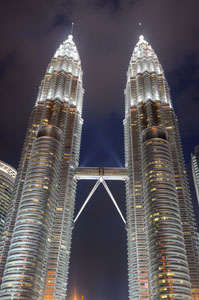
x: 163, y: 260
x: 195, y: 169
x: 35, y: 247
x: 7, y: 179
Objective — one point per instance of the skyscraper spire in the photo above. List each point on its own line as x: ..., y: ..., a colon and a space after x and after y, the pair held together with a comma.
x: 72, y: 25
x: 140, y: 27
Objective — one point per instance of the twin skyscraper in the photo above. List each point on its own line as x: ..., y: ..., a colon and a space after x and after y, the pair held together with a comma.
x: 163, y: 252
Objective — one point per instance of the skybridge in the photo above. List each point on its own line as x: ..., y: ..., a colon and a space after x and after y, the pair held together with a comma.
x: 101, y: 175
x: 107, y: 173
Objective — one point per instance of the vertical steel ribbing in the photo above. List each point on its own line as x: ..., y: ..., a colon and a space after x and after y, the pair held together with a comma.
x: 49, y: 222
x: 169, y: 274
x: 25, y: 270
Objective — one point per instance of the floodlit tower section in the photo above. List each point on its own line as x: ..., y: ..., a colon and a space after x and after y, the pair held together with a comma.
x: 7, y: 180
x: 35, y: 247
x: 195, y: 169
x: 162, y: 257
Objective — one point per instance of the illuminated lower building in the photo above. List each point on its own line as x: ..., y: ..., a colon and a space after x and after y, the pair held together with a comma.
x: 7, y: 179
x: 35, y: 247
x: 163, y: 260
x: 195, y: 169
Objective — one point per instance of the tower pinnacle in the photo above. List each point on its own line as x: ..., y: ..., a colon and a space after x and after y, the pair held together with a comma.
x: 141, y: 39
x: 72, y: 25
x: 140, y: 27
x: 70, y: 37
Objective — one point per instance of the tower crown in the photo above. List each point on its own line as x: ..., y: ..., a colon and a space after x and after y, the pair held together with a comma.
x: 145, y: 77
x: 145, y: 58
x: 63, y: 78
x: 68, y: 48
x: 143, y: 49
x: 66, y: 58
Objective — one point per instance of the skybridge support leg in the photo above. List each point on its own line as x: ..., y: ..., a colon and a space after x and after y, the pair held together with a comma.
x: 113, y: 199
x: 87, y: 199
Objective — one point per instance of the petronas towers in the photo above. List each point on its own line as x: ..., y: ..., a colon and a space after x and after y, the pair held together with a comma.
x: 162, y: 254
x: 163, y: 261
x: 35, y: 247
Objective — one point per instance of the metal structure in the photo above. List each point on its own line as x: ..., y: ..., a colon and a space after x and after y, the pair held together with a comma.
x: 7, y: 179
x: 96, y: 172
x: 35, y: 247
x: 195, y: 169
x: 159, y: 208
x: 101, y: 175
x: 163, y: 261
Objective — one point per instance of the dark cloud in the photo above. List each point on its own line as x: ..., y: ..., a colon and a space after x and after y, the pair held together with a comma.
x: 113, y: 4
x: 132, y: 2
x: 61, y: 20
x: 184, y: 89
x: 7, y: 62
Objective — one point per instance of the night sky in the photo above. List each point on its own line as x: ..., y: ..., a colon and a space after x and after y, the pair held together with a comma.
x: 105, y: 33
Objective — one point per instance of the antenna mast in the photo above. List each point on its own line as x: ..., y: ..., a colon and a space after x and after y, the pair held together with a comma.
x: 72, y: 25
